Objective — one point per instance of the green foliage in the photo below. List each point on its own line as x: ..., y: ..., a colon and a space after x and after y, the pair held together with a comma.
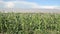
x: 18, y: 23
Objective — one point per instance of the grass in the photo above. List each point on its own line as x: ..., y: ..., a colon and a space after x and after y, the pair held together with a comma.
x: 29, y: 23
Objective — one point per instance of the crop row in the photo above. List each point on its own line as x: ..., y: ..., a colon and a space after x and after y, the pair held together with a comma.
x: 18, y: 23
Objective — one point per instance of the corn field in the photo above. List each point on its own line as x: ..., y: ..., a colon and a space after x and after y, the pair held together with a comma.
x: 29, y: 23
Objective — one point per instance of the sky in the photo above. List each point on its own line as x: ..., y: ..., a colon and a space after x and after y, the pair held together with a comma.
x: 47, y: 4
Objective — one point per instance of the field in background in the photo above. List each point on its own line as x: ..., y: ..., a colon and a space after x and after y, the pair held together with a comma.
x: 29, y: 23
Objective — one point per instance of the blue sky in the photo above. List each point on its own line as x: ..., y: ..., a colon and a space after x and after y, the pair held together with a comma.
x: 46, y: 2
x: 30, y: 4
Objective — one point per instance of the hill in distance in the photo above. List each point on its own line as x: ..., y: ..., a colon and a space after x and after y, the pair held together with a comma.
x: 31, y: 10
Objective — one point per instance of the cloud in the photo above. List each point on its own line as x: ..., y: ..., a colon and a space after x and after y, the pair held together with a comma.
x: 1, y: 1
x: 29, y: 4
x: 25, y: 4
x: 1, y: 4
x: 49, y: 7
x: 9, y: 4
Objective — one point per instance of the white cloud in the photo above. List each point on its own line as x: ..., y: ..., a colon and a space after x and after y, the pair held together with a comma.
x: 12, y: 4
x: 9, y: 4
x: 31, y: 4
x: 1, y: 1
x: 49, y: 7
x: 35, y: 5
x: 2, y: 4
